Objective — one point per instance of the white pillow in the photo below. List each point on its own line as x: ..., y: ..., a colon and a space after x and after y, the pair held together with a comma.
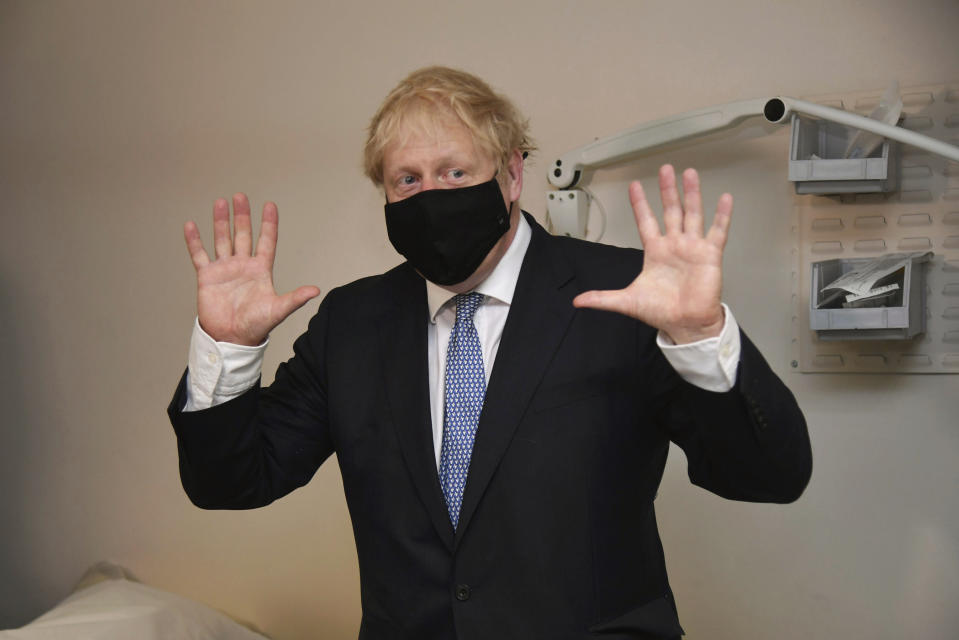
x: 119, y: 609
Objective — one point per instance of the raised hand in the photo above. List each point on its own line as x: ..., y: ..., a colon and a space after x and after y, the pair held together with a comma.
x: 678, y: 291
x: 236, y: 301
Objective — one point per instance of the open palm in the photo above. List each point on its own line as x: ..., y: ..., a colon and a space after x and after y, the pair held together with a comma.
x: 236, y: 301
x: 678, y: 291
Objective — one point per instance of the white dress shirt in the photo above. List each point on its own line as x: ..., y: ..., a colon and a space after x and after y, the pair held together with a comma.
x: 221, y: 371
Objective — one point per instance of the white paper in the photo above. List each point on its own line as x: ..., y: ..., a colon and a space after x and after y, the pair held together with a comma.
x: 862, y: 280
x: 860, y: 283
x: 862, y: 143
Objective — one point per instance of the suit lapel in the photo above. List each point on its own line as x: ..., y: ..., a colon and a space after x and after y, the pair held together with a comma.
x: 538, y: 319
x: 403, y: 334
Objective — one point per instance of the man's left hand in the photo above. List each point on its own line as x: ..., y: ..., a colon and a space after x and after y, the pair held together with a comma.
x: 679, y: 288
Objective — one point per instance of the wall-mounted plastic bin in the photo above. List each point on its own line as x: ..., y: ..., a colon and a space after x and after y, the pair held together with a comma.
x: 817, y: 166
x: 904, y: 318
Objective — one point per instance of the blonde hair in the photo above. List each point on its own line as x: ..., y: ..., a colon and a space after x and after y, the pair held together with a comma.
x: 434, y: 94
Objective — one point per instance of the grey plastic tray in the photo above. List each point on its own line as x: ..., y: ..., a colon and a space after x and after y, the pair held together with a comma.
x: 879, y: 323
x: 816, y: 165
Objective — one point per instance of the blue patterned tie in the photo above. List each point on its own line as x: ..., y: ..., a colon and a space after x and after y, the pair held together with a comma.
x: 465, y: 388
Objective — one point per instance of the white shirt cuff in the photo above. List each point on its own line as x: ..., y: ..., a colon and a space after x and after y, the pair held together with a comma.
x: 219, y: 371
x: 709, y: 364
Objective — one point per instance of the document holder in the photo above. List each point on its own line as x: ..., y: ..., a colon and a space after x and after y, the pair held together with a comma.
x: 817, y: 165
x: 903, y: 317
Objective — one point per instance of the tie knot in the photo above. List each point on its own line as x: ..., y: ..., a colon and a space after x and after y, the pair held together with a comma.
x: 467, y: 304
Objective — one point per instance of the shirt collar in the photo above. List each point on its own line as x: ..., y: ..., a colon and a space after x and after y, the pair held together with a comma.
x: 500, y: 284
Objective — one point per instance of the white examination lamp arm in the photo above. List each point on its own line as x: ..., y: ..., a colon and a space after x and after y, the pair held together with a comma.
x: 621, y: 146
x: 635, y: 141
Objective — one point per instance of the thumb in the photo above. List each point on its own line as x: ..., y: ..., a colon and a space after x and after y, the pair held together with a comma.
x: 610, y: 300
x: 290, y: 302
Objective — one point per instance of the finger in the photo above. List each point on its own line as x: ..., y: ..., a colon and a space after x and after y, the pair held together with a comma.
x: 719, y: 231
x: 693, y: 203
x: 222, y: 244
x: 610, y: 300
x: 290, y: 302
x: 266, y: 244
x: 672, y: 211
x: 645, y: 218
x: 242, y: 231
x: 195, y: 245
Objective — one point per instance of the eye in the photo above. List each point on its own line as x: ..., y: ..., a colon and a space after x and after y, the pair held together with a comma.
x: 407, y: 180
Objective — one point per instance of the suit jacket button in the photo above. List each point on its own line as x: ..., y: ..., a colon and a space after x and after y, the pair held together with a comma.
x: 463, y: 592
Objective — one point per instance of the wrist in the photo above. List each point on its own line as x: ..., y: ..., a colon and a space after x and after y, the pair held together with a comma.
x: 238, y: 341
x: 695, y: 332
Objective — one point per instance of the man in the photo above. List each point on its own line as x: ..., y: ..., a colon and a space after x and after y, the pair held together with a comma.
x: 501, y: 404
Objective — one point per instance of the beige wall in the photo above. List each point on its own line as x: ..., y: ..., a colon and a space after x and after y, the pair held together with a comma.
x: 121, y: 120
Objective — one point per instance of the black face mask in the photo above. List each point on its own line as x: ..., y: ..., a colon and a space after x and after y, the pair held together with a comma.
x: 446, y: 233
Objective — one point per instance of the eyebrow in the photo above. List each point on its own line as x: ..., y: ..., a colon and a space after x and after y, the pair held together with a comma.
x: 447, y: 159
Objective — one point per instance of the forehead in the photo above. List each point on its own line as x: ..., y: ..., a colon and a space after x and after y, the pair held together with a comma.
x: 426, y: 137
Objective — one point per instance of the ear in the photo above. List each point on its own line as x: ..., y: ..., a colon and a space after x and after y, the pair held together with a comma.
x: 514, y: 169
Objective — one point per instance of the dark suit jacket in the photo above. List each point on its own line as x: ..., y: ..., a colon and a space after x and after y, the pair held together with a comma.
x: 557, y: 535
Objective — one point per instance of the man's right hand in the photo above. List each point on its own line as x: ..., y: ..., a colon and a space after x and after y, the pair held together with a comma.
x: 236, y: 301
